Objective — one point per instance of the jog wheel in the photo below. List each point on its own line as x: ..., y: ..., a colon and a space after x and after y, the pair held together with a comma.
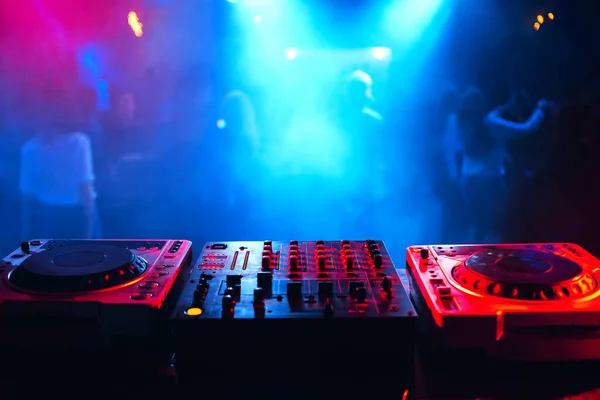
x: 524, y: 275
x: 77, y: 268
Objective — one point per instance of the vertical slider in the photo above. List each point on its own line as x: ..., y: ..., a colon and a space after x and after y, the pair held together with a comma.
x: 245, y: 265
x: 235, y: 256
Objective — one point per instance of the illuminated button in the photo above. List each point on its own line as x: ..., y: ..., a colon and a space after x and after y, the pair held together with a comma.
x: 193, y: 311
x: 149, y: 285
x: 141, y: 296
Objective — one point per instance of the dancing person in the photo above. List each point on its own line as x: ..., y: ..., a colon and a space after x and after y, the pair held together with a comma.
x: 367, y: 179
x: 57, y: 177
x: 484, y: 138
x: 447, y: 165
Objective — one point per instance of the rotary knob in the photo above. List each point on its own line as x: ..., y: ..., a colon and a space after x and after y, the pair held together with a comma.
x: 266, y: 263
x: 228, y: 307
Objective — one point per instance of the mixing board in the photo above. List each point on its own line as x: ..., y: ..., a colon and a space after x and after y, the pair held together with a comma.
x: 326, y: 298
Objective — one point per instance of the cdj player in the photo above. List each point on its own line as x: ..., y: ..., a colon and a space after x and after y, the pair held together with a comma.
x: 506, y: 320
x: 71, y: 306
x: 300, y: 307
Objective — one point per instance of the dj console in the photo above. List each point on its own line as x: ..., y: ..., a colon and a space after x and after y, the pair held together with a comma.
x: 300, y: 319
x: 333, y: 309
x: 88, y: 307
x: 515, y: 321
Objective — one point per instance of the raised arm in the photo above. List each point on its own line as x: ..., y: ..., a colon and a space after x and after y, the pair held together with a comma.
x: 505, y: 128
x: 85, y: 172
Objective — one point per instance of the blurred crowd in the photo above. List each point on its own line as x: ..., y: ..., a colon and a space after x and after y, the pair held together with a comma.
x: 188, y: 157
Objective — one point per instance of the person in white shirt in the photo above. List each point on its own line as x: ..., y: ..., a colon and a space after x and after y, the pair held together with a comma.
x: 57, y: 177
x: 484, y: 138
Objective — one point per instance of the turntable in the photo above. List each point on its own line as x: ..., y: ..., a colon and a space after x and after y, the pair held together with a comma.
x: 82, y: 294
x: 534, y: 302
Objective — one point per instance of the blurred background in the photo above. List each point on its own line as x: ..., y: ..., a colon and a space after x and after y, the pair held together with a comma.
x: 292, y: 119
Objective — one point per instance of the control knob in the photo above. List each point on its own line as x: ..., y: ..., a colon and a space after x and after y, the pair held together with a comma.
x: 361, y: 295
x: 203, y: 286
x: 25, y: 247
x: 321, y: 262
x: 264, y: 280
x: 294, y: 291
x: 386, y: 284
x: 293, y: 262
x: 377, y: 261
x: 259, y: 298
x: 325, y: 289
x: 349, y: 262
x: 228, y: 307
x: 266, y: 263
x: 198, y: 297
x: 328, y: 309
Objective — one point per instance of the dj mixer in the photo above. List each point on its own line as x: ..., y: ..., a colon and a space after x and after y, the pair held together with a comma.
x: 312, y: 304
